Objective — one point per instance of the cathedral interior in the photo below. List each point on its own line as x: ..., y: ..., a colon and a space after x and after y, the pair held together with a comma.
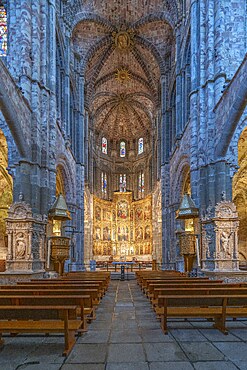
x: 123, y: 147
x: 122, y: 112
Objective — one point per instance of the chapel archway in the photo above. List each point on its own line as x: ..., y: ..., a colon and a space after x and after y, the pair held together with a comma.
x: 6, y: 193
x: 240, y: 194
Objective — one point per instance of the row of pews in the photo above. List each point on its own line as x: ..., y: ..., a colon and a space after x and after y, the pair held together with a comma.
x: 173, y: 295
x: 64, y: 305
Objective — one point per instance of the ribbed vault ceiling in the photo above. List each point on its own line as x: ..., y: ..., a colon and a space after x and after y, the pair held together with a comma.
x: 124, y: 47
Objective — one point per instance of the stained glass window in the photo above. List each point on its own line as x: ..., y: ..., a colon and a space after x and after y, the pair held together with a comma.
x: 122, y: 182
x: 104, y: 183
x: 104, y: 145
x: 141, y: 185
x: 3, y: 32
x: 140, y: 145
x: 122, y: 149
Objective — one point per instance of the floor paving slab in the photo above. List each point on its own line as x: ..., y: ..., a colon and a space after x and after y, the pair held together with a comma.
x: 91, y: 366
x: 202, y: 351
x: 86, y: 353
x: 187, y: 335
x: 126, y: 353
x: 127, y: 366
x: 171, y: 365
x: 39, y: 366
x: 155, y: 336
x: 95, y: 336
x: 125, y: 336
x: 215, y: 365
x: 164, y: 352
x: 239, y: 333
x: 214, y: 335
x: 233, y: 351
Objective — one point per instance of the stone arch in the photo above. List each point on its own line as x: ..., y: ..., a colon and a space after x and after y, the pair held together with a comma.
x: 154, y: 17
x: 178, y: 185
x: 149, y: 45
x: 91, y: 17
x: 16, y: 112
x: 239, y: 187
x: 66, y: 178
x: 236, y: 107
x: 232, y: 153
x: 6, y: 193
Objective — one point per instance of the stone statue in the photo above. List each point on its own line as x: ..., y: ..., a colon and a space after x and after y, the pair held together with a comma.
x: 224, y: 242
x: 20, y: 250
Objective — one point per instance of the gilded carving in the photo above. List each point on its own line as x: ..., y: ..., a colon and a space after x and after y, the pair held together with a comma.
x: 122, y: 75
x: 124, y: 229
x: 123, y: 40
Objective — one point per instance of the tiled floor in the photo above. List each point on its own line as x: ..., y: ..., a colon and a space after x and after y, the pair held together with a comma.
x: 127, y: 336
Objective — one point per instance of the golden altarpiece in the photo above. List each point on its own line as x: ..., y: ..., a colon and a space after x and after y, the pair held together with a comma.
x: 122, y: 228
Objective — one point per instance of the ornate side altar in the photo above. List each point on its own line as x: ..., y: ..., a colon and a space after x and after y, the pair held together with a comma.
x: 221, y: 231
x: 26, y: 239
x: 220, y: 243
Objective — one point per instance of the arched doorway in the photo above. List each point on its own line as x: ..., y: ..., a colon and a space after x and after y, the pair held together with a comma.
x: 240, y: 194
x: 6, y: 193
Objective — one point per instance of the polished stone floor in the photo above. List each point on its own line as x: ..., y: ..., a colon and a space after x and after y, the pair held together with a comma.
x: 127, y: 336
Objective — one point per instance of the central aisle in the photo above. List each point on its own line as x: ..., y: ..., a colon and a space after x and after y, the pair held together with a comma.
x: 125, y: 335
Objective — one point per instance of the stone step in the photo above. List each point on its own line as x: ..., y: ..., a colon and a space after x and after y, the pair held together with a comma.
x: 127, y: 276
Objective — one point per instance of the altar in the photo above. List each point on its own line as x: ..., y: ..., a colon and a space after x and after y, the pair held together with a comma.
x: 122, y: 228
x: 124, y: 263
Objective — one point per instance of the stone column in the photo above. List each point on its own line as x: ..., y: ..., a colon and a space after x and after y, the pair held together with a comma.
x: 86, y: 152
x: 66, y: 124
x: 178, y: 85
x: 80, y: 179
x: 165, y: 174
x: 194, y: 99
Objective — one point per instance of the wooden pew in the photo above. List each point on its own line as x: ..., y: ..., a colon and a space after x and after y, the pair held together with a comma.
x: 105, y: 276
x: 217, y: 307
x: 86, y: 291
x: 153, y: 274
x: 48, y: 300
x: 210, y: 289
x: 41, y: 319
x: 66, y: 284
x: 181, y: 280
x: 153, y: 288
x: 89, y: 307
x: 143, y: 280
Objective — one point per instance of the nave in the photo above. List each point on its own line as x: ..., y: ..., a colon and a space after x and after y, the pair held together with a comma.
x: 127, y: 336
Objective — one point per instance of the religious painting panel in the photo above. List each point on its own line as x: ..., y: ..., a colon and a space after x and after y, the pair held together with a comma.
x: 139, y: 233
x: 97, y: 213
x: 139, y: 214
x: 97, y: 233
x: 106, y: 233
x: 147, y: 232
x: 122, y: 210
